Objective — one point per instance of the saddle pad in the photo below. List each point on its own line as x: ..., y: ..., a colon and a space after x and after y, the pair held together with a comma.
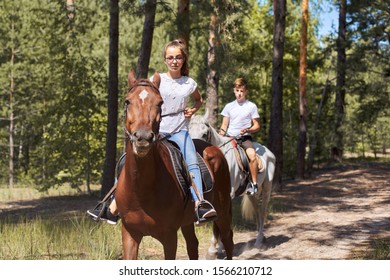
x: 180, y: 167
x: 207, y: 178
x: 181, y: 170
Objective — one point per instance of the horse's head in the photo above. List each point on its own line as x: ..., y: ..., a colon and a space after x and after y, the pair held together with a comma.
x: 143, y: 112
x: 199, y: 128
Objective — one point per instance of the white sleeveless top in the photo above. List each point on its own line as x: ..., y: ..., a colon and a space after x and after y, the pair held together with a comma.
x: 175, y: 94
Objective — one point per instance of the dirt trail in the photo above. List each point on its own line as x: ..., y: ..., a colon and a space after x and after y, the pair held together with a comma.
x: 327, y: 217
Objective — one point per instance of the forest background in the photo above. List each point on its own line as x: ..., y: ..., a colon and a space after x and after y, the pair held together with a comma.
x: 56, y: 86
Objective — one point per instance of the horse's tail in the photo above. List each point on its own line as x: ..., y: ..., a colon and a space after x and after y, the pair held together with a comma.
x: 271, y: 167
x: 248, y: 207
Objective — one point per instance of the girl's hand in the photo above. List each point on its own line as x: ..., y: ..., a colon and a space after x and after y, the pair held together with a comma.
x: 188, y: 112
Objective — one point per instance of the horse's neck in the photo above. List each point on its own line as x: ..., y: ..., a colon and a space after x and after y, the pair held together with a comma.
x: 140, y: 168
x: 216, y: 139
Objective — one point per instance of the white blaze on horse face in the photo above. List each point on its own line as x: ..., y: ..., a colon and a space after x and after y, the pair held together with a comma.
x: 143, y: 94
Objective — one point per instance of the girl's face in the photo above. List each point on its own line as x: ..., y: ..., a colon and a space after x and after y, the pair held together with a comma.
x: 174, y: 59
x: 240, y: 93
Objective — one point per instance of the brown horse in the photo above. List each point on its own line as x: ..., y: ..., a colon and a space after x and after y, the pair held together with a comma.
x: 149, y: 197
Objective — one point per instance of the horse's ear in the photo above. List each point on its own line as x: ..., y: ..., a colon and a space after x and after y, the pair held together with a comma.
x: 206, y: 114
x: 156, y: 79
x: 131, y: 78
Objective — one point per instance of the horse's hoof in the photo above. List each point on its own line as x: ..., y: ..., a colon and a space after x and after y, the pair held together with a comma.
x: 211, y: 256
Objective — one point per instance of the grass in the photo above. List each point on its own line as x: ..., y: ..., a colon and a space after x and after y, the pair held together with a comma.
x: 76, y: 237
x: 377, y: 249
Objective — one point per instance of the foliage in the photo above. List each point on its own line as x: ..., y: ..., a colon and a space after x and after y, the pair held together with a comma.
x: 60, y: 76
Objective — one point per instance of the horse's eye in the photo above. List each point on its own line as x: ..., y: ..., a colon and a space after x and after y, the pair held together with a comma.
x: 127, y: 102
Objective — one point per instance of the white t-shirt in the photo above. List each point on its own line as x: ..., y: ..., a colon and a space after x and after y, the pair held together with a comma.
x: 240, y: 116
x: 175, y: 94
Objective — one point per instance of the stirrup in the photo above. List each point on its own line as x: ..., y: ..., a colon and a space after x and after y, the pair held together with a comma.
x: 104, y: 207
x: 208, y: 216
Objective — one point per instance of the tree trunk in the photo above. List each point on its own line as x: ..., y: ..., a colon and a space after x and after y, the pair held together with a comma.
x: 302, y: 133
x: 183, y: 20
x: 337, y: 149
x: 313, y: 142
x: 11, y: 120
x: 147, y: 39
x: 276, y: 123
x: 112, y: 123
x: 212, y: 74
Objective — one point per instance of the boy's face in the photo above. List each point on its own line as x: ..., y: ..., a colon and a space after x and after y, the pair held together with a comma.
x: 240, y: 93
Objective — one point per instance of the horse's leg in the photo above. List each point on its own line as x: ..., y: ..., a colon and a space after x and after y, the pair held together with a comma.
x: 226, y: 236
x: 266, y: 195
x: 192, y: 242
x: 169, y: 242
x: 214, y: 248
x: 130, y: 245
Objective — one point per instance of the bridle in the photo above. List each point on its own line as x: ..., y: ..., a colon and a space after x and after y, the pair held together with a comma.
x: 128, y: 134
x: 143, y: 83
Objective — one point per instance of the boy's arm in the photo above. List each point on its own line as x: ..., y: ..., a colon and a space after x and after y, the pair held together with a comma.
x: 254, y: 128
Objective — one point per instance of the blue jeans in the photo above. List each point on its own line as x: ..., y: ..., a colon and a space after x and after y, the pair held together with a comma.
x: 183, y: 140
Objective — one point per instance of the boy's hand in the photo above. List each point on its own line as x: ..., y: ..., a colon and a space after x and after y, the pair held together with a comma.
x: 243, y: 131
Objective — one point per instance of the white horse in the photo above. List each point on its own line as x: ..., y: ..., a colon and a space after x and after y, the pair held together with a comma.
x: 199, y: 128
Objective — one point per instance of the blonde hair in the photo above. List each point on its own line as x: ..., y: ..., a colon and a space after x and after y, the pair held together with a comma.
x: 179, y: 43
x: 240, y: 82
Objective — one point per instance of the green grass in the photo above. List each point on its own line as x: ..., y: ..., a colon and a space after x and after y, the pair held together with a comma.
x: 377, y: 249
x: 77, y: 238
x: 57, y: 237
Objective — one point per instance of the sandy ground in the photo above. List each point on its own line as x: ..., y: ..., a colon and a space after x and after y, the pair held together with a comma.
x: 329, y: 216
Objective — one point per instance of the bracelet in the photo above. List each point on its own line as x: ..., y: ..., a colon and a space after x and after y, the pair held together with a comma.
x: 222, y: 130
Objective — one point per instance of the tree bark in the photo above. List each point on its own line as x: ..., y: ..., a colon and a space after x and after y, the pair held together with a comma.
x: 302, y: 133
x: 11, y: 120
x: 337, y: 149
x: 212, y: 70
x: 276, y: 123
x: 112, y: 122
x: 147, y: 40
x: 313, y: 142
x: 183, y: 20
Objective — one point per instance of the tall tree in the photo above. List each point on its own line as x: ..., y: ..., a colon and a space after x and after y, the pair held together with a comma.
x: 112, y: 122
x: 275, y: 140
x: 183, y: 20
x: 302, y: 130
x: 338, y: 143
x: 147, y: 39
x: 11, y: 116
x: 212, y: 67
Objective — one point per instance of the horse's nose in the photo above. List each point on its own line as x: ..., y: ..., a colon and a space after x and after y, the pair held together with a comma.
x: 144, y: 135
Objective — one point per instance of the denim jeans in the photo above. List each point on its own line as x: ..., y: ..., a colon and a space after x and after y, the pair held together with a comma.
x: 183, y: 140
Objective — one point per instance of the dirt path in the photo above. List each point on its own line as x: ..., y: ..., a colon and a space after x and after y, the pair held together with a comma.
x: 327, y: 217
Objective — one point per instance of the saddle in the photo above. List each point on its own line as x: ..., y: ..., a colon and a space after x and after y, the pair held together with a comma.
x: 180, y: 167
x: 243, y: 164
x: 181, y: 170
